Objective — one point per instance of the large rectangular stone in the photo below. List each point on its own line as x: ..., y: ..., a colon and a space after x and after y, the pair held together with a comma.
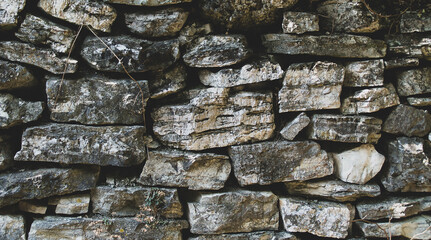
x: 12, y: 227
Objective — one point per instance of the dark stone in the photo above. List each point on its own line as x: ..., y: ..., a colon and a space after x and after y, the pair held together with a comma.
x: 409, y: 121
x: 13, y: 75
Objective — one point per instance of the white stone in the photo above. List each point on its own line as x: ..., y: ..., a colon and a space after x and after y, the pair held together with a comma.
x: 9, y: 10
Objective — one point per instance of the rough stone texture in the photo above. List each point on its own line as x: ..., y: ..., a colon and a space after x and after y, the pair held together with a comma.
x: 343, y: 46
x: 300, y: 22
x: 98, y: 228
x: 333, y: 189
x: 233, y: 212
x: 311, y: 86
x: 401, y: 62
x: 137, y: 55
x: 368, y: 73
x: 41, y: 31
x: 192, y: 31
x: 195, y: 171
x: 414, y: 81
x: 12, y: 227
x: 410, y: 45
x: 148, y: 3
x: 6, y: 152
x: 167, y: 82
x: 281, y: 161
x: 30, y: 207
x: 255, y: 72
x: 360, y: 129
x: 9, y: 10
x: 128, y: 201
x: 417, y: 227
x: 409, y: 168
x: 213, y: 118
x: 72, y: 204
x: 97, y: 100
x: 120, y: 146
x: 321, y: 218
x: 14, y: 76
x: 409, y: 121
x: 161, y: 23
x: 419, y: 102
x: 370, y: 100
x: 15, y: 111
x: 393, y: 207
x: 45, y: 182
x: 262, y: 235
x: 293, y: 127
x: 415, y: 22
x: 40, y: 57
x: 348, y: 16
x: 358, y: 165
x: 96, y: 14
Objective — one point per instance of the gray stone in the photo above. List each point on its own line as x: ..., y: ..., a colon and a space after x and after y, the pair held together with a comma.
x: 343, y: 46
x: 414, y: 81
x: 97, y: 100
x: 98, y: 229
x: 148, y: 3
x: 368, y: 73
x: 214, y: 118
x: 71, y: 204
x: 169, y: 81
x: 96, y: 14
x: 355, y: 129
x: 333, y: 190
x: 370, y: 100
x: 32, y: 207
x: 415, y: 22
x: 409, y: 121
x: 321, y: 218
x: 9, y: 10
x: 262, y: 235
x: 162, y: 23
x: 217, y: 51
x: 408, y: 166
x: 45, y: 182
x: 311, y: 86
x: 41, y: 31
x: 6, y: 152
x: 14, y: 76
x: 192, y: 31
x: 40, y: 57
x: 409, y: 45
x: 358, y: 165
x: 233, y: 212
x: 419, y: 102
x: 15, y: 111
x: 195, y: 171
x: 401, y: 62
x: 136, y: 55
x: 280, y: 161
x: 293, y: 127
x: 120, y: 146
x: 300, y: 22
x: 255, y: 72
x: 130, y: 201
x: 12, y: 227
x: 393, y: 207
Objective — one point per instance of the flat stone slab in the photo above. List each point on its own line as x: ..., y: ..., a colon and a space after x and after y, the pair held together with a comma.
x: 16, y: 111
x: 409, y: 45
x: 148, y: 3
x: 279, y: 161
x: 119, y: 146
x: 419, y: 102
x: 367, y: 73
x: 12, y: 227
x: 252, y: 236
x: 71, y: 204
x: 415, y: 22
x: 13, y: 76
x: 9, y: 10
x: 300, y: 22
x: 401, y: 62
x: 409, y: 121
x: 292, y: 128
x: 168, y: 81
x: 32, y: 207
x: 414, y: 81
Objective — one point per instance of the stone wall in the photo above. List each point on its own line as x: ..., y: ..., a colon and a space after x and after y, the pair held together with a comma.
x: 215, y: 119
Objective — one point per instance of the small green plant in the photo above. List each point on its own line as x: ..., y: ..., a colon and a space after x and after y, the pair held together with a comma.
x: 149, y: 212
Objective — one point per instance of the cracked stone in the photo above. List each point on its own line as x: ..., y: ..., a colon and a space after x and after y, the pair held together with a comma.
x: 368, y: 73
x: 13, y: 76
x: 409, y: 121
x: 409, y: 45
x: 9, y: 10
x: 293, y: 127
x: 300, y: 22
x: 16, y: 111
x: 401, y: 63
x: 169, y: 81
x: 414, y: 81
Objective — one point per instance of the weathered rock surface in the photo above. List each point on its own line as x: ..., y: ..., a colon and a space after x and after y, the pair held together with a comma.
x: 196, y: 171
x: 415, y: 22
x: 370, y: 100
x: 343, y: 46
x: 360, y: 129
x: 98, y: 15
x: 45, y: 182
x: 409, y: 168
x: 249, y: 236
x: 234, y: 212
x: 368, y: 73
x: 419, y: 102
x: 137, y: 55
x: 32, y: 207
x: 169, y: 81
x: 76, y: 144
x: 281, y: 161
x: 217, y: 51
x: 214, y: 118
x: 97, y: 100
x: 149, y: 3
x: 333, y: 189
x: 6, y: 152
x: 321, y: 218
x: 9, y: 10
x: 401, y: 62
x: 15, y: 111
x: 129, y: 201
x: 293, y: 127
x: 161, y: 23
x: 71, y: 204
x: 409, y: 121
x: 40, y: 57
x: 414, y: 81
x: 255, y: 72
x: 98, y: 228
x: 393, y: 207
x: 14, y: 76
x: 192, y: 31
x: 358, y: 165
x: 300, y: 22
x: 410, y: 45
x: 12, y: 227
x: 311, y: 86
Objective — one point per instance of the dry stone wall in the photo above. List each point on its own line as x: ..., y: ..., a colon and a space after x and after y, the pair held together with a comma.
x: 215, y: 119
